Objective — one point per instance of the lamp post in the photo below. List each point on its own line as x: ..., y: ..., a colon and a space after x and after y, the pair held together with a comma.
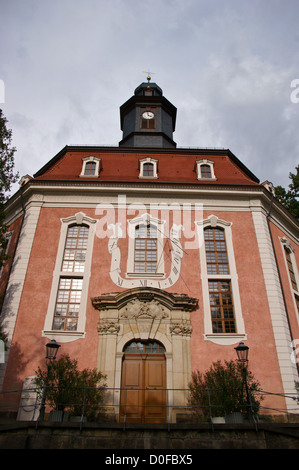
x: 242, y: 353
x: 51, y: 353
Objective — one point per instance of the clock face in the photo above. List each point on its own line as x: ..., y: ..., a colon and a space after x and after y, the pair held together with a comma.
x: 148, y: 115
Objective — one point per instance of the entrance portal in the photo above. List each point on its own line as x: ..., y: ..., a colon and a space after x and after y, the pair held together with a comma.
x: 143, y: 386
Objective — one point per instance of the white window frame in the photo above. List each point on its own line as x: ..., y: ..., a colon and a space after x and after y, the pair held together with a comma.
x: 145, y: 219
x: 91, y: 159
x: 220, y: 338
x: 199, y: 163
x: 155, y: 168
x: 286, y: 245
x: 65, y: 336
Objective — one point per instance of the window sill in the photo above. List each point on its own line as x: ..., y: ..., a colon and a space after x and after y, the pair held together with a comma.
x: 146, y: 275
x: 207, y: 179
x: 63, y: 336
x: 225, y: 339
x: 89, y: 176
x: 148, y: 177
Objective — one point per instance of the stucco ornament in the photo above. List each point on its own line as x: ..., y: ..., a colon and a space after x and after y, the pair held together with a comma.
x: 138, y: 309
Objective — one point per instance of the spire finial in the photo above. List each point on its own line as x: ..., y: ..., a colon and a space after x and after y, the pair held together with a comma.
x: 149, y: 75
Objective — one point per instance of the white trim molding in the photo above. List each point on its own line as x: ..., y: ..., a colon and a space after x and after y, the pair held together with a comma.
x: 287, y: 246
x: 220, y: 338
x: 276, y: 305
x: 65, y: 336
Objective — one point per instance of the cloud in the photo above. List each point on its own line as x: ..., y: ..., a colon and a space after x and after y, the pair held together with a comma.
x: 227, y: 66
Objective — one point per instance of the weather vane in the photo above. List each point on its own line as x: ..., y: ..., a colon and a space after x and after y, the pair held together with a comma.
x: 149, y: 75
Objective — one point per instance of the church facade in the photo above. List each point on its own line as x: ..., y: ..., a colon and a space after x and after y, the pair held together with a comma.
x: 149, y: 261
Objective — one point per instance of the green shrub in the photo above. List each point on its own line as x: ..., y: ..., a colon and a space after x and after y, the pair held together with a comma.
x: 223, y: 388
x: 66, y: 388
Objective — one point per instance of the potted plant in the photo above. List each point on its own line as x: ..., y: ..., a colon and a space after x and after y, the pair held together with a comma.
x: 221, y: 391
x: 64, y: 388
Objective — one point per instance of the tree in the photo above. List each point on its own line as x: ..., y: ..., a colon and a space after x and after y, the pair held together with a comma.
x: 290, y: 198
x: 7, y: 178
x: 222, y: 388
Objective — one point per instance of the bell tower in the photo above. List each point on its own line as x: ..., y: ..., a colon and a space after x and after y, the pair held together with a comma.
x: 148, y: 118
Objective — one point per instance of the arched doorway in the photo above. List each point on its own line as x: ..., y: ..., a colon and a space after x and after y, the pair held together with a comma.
x: 143, y: 383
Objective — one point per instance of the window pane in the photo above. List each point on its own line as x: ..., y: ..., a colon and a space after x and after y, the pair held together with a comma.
x: 67, y: 304
x: 75, y: 249
x: 90, y: 168
x: 216, y: 253
x: 205, y: 171
x: 145, y: 256
x: 148, y: 169
x: 222, y: 310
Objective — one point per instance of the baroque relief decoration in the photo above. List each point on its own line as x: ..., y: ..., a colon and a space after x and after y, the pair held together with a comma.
x: 147, y: 314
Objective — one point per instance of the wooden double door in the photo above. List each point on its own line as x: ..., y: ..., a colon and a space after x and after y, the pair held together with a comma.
x: 143, y: 388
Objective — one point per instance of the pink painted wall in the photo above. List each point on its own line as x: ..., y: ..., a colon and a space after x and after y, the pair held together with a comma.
x: 28, y: 347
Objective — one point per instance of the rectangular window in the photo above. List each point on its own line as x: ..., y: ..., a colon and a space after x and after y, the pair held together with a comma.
x: 70, y: 288
x: 291, y: 269
x: 216, y: 253
x: 145, y: 260
x: 222, y: 309
x: 75, y: 249
x: 67, y: 304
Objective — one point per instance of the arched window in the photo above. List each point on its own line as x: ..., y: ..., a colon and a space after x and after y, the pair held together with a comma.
x: 205, y: 170
x: 146, y: 347
x: 148, y: 168
x: 90, y: 167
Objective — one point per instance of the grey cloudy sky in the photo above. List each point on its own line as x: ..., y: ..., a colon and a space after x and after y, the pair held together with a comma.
x: 227, y: 65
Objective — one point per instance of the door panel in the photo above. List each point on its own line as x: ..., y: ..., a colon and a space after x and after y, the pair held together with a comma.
x: 147, y: 373
x: 132, y: 400
x: 155, y: 393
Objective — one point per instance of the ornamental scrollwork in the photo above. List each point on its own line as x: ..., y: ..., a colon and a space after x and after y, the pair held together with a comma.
x: 182, y: 329
x: 108, y: 328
